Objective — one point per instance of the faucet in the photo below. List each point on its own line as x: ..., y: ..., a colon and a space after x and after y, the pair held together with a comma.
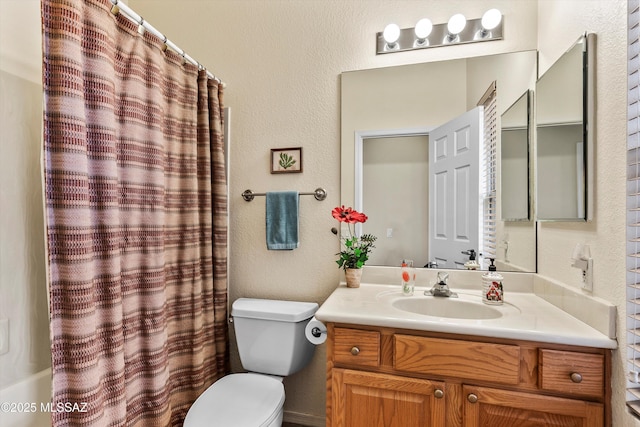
x: 472, y: 254
x: 441, y: 288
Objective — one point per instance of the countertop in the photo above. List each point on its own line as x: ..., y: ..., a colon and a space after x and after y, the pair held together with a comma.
x: 525, y: 316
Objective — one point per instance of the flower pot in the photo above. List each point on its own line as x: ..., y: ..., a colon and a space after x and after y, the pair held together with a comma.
x: 353, y: 276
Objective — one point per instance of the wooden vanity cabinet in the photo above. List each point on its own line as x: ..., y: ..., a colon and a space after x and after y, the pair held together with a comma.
x: 398, y: 378
x: 386, y: 400
x: 491, y: 407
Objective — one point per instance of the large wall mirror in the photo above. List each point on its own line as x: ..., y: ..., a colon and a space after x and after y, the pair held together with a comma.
x: 390, y: 123
x: 564, y: 135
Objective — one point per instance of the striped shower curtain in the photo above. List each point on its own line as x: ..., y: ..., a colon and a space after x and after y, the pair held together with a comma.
x: 136, y: 221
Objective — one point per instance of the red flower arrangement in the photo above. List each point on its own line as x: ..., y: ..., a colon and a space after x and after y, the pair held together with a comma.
x: 357, y: 249
x: 348, y: 215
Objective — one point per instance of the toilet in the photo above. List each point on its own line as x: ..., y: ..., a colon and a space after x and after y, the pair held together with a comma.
x: 272, y: 344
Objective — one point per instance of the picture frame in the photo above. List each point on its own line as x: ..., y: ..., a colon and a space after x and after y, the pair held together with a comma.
x: 286, y: 160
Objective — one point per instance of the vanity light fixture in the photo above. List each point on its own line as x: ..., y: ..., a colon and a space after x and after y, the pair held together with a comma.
x: 454, y: 27
x: 490, y: 20
x: 422, y: 31
x: 458, y: 30
x: 391, y: 35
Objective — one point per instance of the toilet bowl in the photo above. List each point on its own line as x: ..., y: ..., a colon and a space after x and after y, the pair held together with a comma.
x: 271, y: 344
x: 239, y: 400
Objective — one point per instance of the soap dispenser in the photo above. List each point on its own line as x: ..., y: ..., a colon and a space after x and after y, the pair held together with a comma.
x: 492, y: 292
x: 472, y: 264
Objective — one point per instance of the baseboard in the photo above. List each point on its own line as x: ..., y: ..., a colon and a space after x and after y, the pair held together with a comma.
x: 304, y: 419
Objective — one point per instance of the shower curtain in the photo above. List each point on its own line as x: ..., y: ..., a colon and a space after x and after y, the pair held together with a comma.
x: 136, y: 206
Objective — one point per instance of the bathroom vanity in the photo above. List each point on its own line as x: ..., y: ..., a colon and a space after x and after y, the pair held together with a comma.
x: 388, y: 364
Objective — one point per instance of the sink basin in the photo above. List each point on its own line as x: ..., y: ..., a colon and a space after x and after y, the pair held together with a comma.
x: 456, y: 308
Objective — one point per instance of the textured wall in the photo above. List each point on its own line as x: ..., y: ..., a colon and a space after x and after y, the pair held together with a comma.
x: 282, y: 60
x: 560, y: 24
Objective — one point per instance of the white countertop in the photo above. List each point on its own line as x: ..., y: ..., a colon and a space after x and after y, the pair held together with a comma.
x: 525, y: 316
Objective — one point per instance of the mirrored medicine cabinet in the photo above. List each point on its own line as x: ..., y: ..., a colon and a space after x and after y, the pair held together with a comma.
x: 565, y: 135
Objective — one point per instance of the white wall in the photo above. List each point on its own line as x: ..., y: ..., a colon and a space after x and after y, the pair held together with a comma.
x: 281, y: 60
x: 559, y: 25
x: 23, y: 295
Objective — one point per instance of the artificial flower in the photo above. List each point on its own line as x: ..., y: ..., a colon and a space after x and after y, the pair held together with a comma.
x: 357, y: 249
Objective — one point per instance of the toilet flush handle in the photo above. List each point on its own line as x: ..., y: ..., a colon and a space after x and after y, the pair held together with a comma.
x: 317, y: 332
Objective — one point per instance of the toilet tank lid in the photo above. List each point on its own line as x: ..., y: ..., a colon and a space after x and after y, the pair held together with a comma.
x: 284, y: 311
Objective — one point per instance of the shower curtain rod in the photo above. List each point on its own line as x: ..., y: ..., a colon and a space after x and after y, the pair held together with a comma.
x: 118, y: 7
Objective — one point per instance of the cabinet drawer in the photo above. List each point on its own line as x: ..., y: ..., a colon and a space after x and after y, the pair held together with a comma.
x: 497, y: 363
x: 356, y: 347
x: 573, y: 373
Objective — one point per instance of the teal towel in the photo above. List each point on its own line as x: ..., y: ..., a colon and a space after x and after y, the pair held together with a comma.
x: 282, y: 220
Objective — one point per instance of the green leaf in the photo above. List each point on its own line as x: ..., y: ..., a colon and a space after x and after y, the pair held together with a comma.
x: 286, y: 161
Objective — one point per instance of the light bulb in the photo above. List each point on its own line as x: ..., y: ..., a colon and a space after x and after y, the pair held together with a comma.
x: 423, y: 28
x: 456, y: 24
x: 491, y: 19
x: 391, y: 34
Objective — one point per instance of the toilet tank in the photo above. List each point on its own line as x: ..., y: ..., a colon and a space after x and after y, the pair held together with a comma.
x: 270, y: 334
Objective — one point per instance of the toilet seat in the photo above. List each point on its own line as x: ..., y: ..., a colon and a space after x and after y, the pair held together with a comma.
x: 238, y: 400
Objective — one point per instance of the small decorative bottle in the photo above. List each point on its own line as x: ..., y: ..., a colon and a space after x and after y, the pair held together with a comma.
x: 408, y: 277
x: 492, y: 292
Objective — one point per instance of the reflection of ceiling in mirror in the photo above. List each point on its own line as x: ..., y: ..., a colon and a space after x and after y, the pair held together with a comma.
x: 427, y: 95
x: 559, y: 90
x: 517, y: 115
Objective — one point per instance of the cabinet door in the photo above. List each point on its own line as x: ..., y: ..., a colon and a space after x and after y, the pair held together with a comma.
x: 367, y: 399
x: 487, y: 407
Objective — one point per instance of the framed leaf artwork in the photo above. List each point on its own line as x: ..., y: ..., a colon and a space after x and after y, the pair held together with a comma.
x: 286, y: 160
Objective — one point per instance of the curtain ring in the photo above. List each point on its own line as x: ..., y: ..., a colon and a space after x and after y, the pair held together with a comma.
x: 165, y: 46
x: 141, y: 29
x: 115, y: 9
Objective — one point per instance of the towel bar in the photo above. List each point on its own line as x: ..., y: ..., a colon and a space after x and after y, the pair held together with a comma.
x: 319, y: 193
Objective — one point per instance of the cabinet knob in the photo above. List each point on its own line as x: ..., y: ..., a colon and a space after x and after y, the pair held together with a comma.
x: 576, y: 377
x: 439, y: 394
x: 472, y: 398
x: 355, y: 350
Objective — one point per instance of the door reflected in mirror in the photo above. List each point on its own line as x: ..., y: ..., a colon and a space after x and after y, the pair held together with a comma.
x: 455, y: 184
x: 433, y: 179
x: 414, y: 100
